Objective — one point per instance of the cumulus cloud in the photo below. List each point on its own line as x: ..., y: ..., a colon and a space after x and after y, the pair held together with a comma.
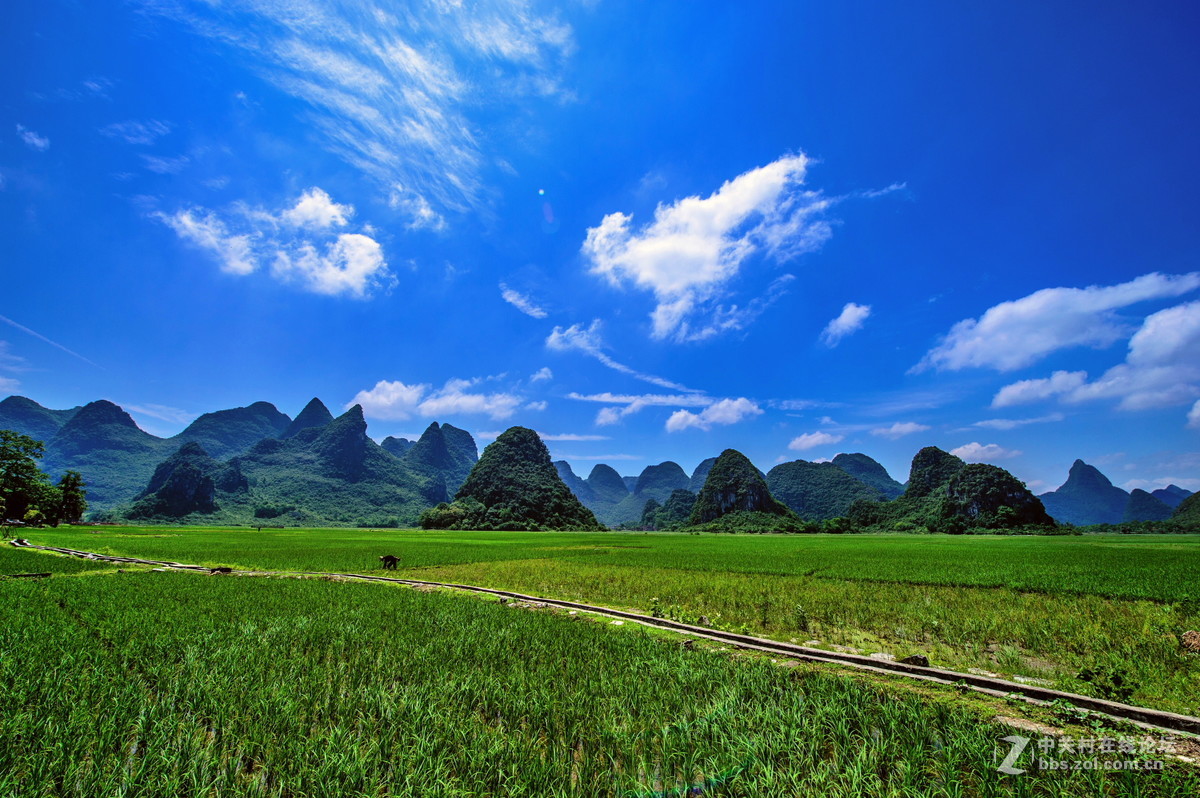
x: 811, y: 440
x: 687, y: 255
x: 590, y: 341
x: 899, y: 430
x: 537, y: 406
x: 397, y: 401
x: 544, y: 373
x: 400, y: 96
x: 315, y: 209
x: 135, y: 132
x: 32, y: 139
x: 1025, y: 391
x: 1016, y: 334
x: 850, y: 320
x: 522, y: 302
x: 300, y: 243
x: 983, y: 453
x: 1160, y: 369
x: 1193, y: 417
x: 726, y: 411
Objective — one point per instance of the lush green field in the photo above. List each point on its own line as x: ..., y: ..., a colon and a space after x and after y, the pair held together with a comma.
x: 1108, y: 609
x: 155, y: 684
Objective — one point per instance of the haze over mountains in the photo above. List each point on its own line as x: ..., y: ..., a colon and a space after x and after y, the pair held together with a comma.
x: 255, y: 464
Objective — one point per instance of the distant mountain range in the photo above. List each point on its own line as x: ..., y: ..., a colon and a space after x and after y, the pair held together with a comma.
x: 1088, y: 497
x: 253, y: 464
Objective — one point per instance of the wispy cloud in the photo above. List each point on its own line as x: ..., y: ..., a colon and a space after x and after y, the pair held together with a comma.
x: 693, y: 248
x: 389, y: 93
x: 1014, y: 423
x: 571, y: 436
x: 397, y: 401
x: 173, y: 415
x: 163, y: 165
x: 590, y: 341
x: 1018, y: 333
x: 44, y: 339
x: 850, y: 320
x: 542, y: 374
x: 628, y: 404
x: 32, y: 139
x: 135, y: 132
x: 605, y: 457
x: 982, y: 453
x: 302, y: 244
x: 521, y: 302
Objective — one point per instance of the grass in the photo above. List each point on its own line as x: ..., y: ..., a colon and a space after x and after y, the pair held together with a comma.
x: 152, y: 684
x: 1099, y: 615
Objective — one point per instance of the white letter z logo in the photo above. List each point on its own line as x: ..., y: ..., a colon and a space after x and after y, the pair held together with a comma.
x: 1018, y: 748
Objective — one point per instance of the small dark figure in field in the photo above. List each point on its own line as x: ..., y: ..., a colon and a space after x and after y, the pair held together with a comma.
x: 221, y: 570
x: 389, y: 562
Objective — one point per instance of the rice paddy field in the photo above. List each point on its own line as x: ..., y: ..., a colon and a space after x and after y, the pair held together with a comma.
x: 150, y: 683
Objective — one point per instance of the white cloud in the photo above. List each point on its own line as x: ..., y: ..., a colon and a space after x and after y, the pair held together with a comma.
x: 850, y: 320
x: 394, y: 400
x: 1162, y: 367
x: 393, y: 94
x: 1151, y: 485
x: 165, y: 166
x: 725, y: 411
x: 537, y: 406
x: 1025, y: 391
x: 571, y: 436
x: 32, y: 139
x: 1160, y: 370
x: 1014, y: 423
x: 811, y: 440
x: 544, y: 373
x: 235, y: 253
x: 315, y: 209
x: 9, y: 384
x: 1193, y: 417
x: 299, y: 243
x: 421, y: 215
x: 521, y: 302
x: 605, y: 457
x: 634, y: 403
x: 137, y: 133
x: 982, y: 453
x: 899, y: 430
x: 1015, y: 334
x: 694, y: 247
x: 173, y: 415
x: 353, y: 265
x: 589, y: 341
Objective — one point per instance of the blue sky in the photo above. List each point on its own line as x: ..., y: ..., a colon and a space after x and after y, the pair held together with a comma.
x: 650, y: 231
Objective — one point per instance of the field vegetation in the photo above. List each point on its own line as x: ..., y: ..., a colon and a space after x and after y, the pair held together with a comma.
x: 145, y: 683
x: 1097, y: 615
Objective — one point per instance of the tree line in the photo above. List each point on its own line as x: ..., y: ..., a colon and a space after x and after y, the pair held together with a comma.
x: 28, y: 494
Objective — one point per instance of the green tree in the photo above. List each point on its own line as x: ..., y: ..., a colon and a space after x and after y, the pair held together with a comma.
x: 22, y: 483
x: 73, y: 503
